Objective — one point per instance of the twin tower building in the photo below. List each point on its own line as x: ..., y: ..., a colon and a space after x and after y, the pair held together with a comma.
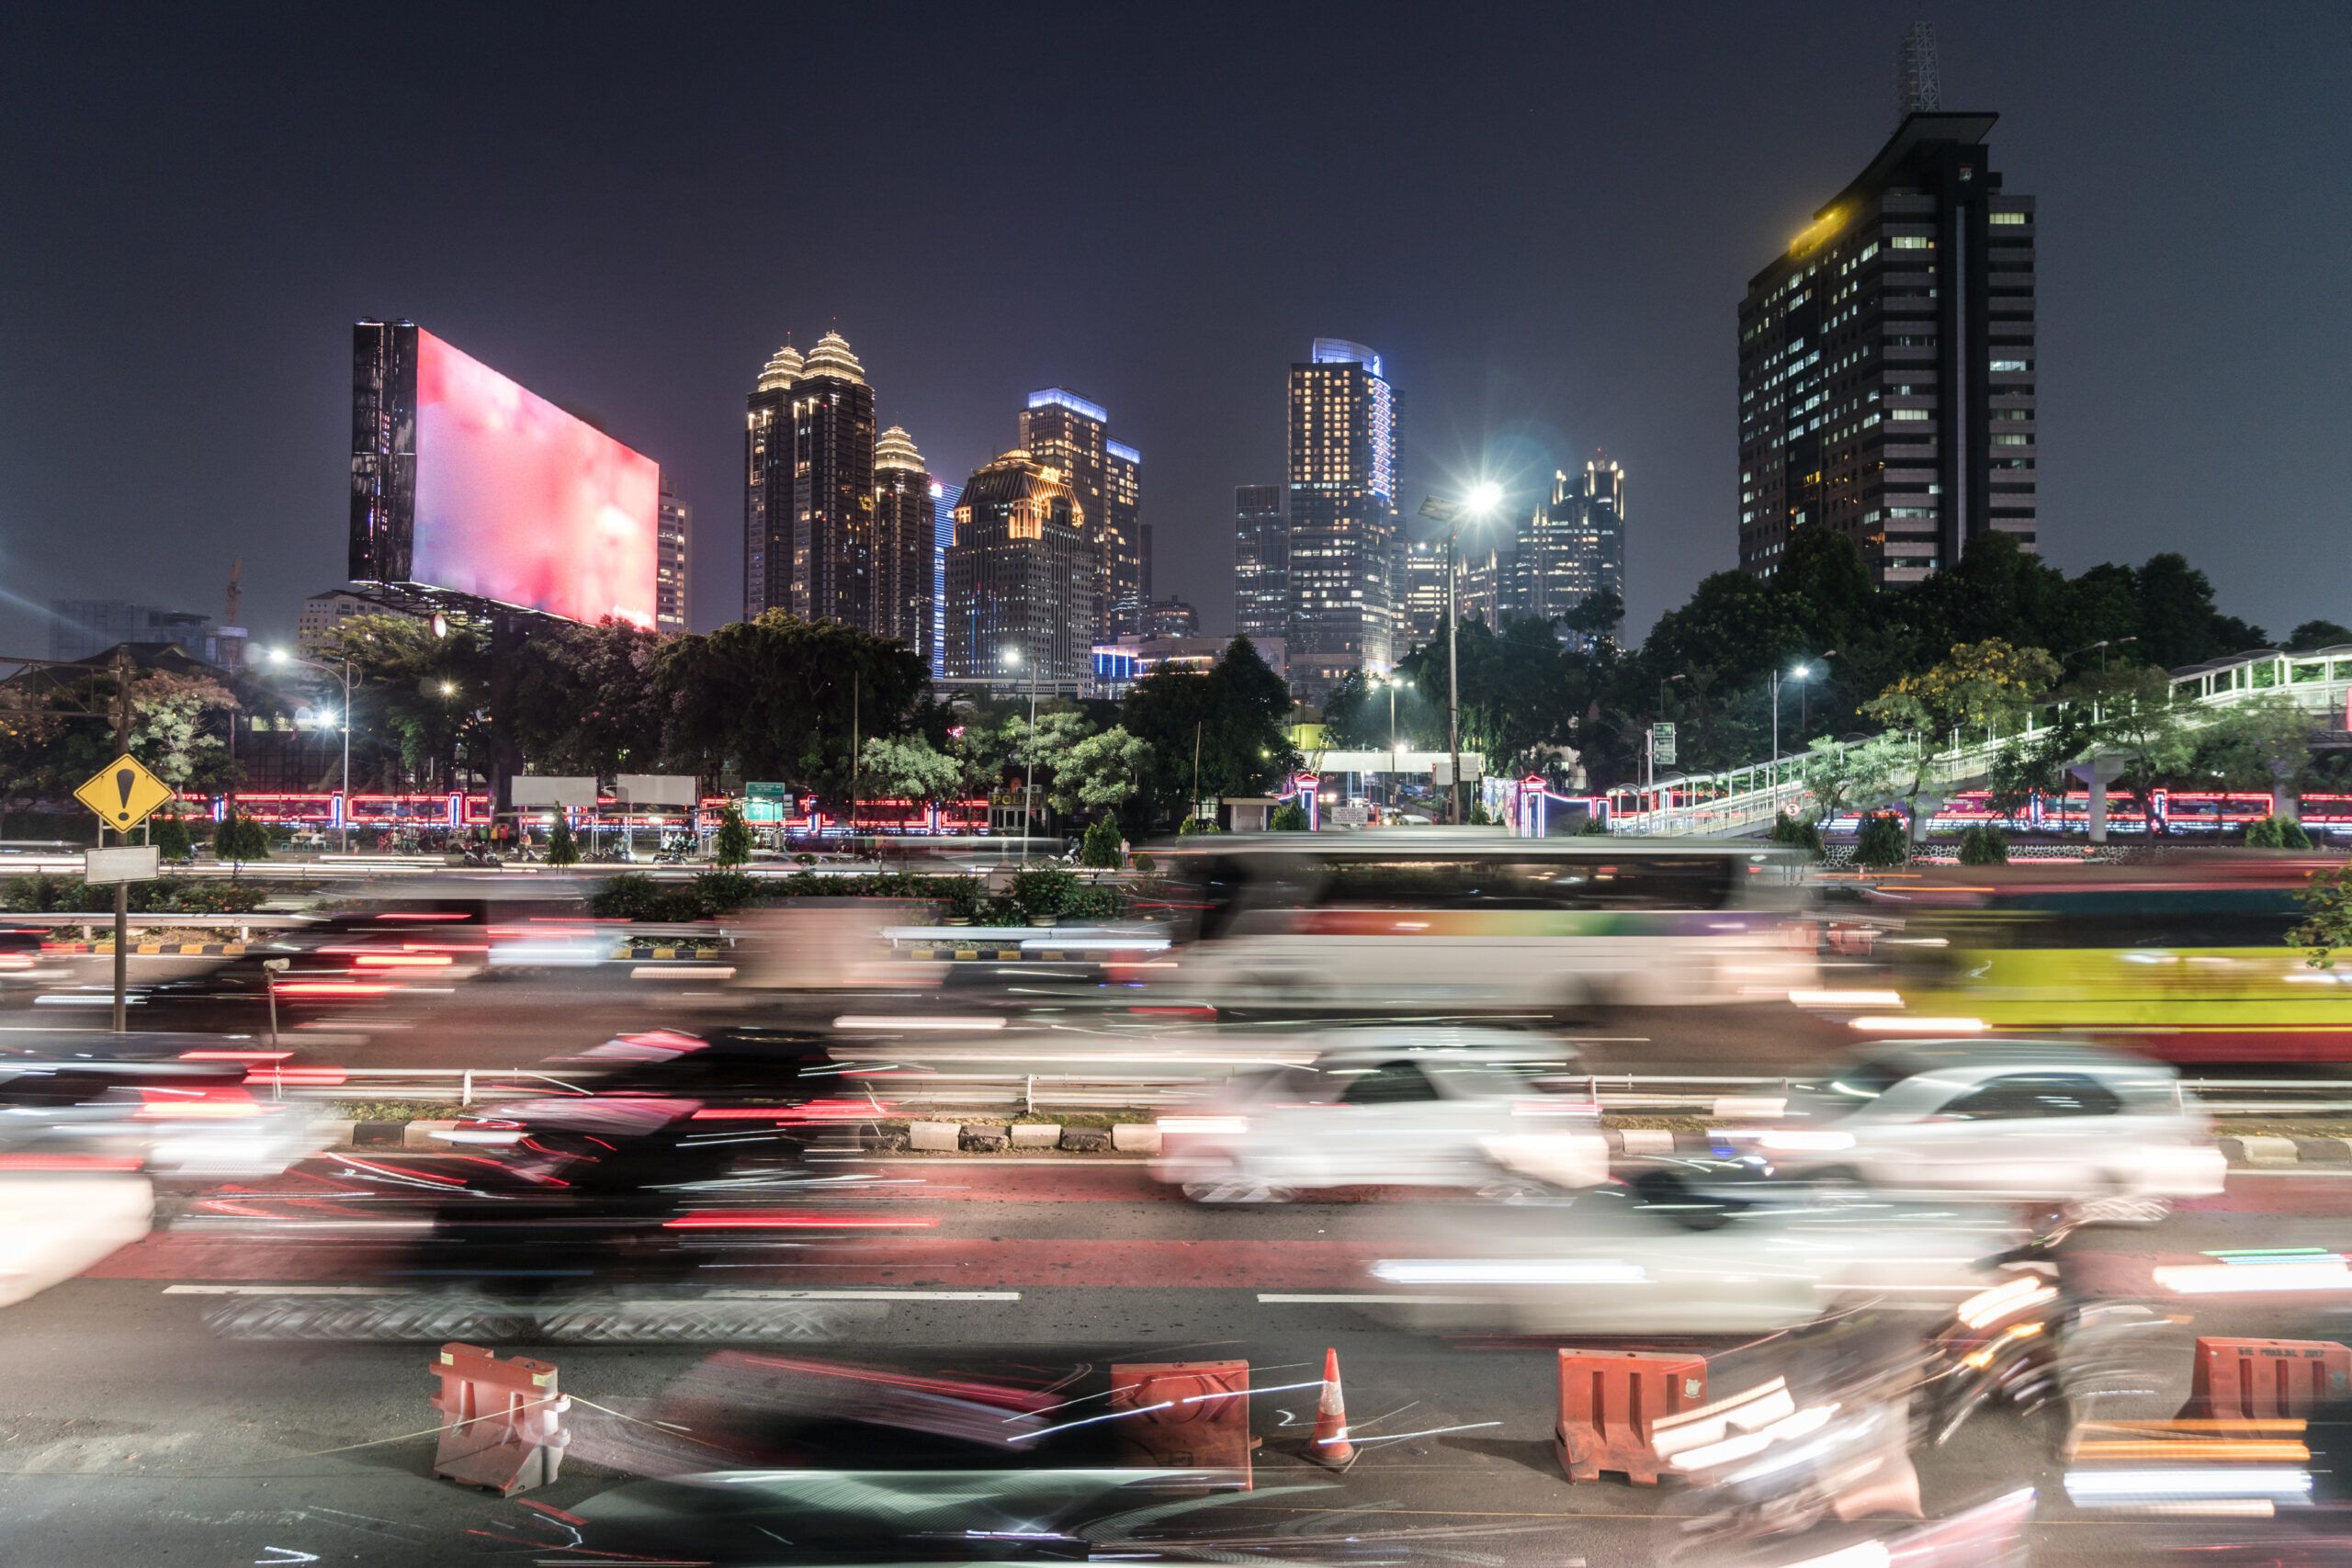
x: 1012, y: 577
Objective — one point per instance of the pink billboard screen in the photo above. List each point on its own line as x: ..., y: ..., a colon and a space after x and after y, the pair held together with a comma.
x: 519, y: 502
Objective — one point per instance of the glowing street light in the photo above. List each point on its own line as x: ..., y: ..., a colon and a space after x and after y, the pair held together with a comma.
x: 279, y: 656
x: 1483, y: 498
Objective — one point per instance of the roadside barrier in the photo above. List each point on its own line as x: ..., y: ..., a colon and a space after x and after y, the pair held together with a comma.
x: 1609, y: 1400
x: 1185, y: 1416
x: 1329, y: 1446
x: 2258, y: 1379
x: 505, y: 1421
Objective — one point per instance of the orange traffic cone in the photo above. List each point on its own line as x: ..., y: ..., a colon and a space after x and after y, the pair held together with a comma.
x: 1329, y: 1446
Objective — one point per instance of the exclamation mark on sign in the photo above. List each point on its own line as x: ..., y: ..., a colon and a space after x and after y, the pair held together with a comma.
x: 123, y: 779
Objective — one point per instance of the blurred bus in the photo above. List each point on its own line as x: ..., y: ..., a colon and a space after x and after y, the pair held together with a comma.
x: 1448, y: 920
x: 2185, y: 960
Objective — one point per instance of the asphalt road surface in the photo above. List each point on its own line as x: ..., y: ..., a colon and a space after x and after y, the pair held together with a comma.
x: 130, y: 1434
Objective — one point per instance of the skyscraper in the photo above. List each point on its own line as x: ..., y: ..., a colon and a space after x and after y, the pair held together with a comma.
x: 1260, y: 563
x: 903, y: 543
x: 1343, y: 517
x: 670, y: 563
x: 1887, y: 363
x: 1019, y: 577
x: 1424, y: 594
x: 1573, y: 546
x: 943, y: 498
x: 832, y: 488
x: 1065, y: 431
x: 767, y: 485
x: 1124, y: 537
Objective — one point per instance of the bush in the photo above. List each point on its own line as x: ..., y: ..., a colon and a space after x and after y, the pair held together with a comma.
x: 1100, y: 847
x: 171, y: 838
x: 1191, y: 825
x: 164, y: 896
x: 1290, y: 816
x: 2277, y: 833
x: 1806, y: 835
x: 562, y: 849
x: 1595, y: 826
x: 963, y: 898
x: 1882, y: 844
x: 722, y: 893
x: 1139, y: 860
x: 630, y: 896
x: 1982, y: 845
x: 731, y: 845
x: 1043, y: 894
x: 240, y: 839
x: 1478, y: 818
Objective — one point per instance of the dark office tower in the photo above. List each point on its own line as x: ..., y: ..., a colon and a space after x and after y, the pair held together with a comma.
x: 1260, y: 563
x: 1342, y: 518
x: 1019, y: 577
x: 1573, y: 546
x: 670, y: 563
x: 903, y: 528
x: 1124, y: 538
x: 1887, y: 360
x: 832, y: 488
x: 943, y: 498
x: 767, y: 485
x: 1065, y: 431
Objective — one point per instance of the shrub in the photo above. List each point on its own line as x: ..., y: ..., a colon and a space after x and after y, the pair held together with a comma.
x: 562, y: 849
x: 1290, y: 816
x: 171, y: 838
x: 2292, y: 837
x: 1139, y: 860
x: 1191, y: 825
x: 721, y: 893
x: 963, y: 898
x: 630, y: 896
x: 2326, y: 925
x: 1478, y: 816
x: 1043, y: 894
x: 1595, y: 826
x: 1882, y: 844
x: 1982, y: 845
x: 731, y: 845
x: 1100, y: 847
x: 2276, y: 833
x: 240, y: 839
x: 1803, y: 835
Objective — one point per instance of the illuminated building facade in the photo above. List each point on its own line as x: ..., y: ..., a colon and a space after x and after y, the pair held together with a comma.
x: 1072, y: 436
x: 904, y: 533
x: 1342, y: 558
x: 1020, y: 579
x: 1424, y: 580
x: 1887, y: 363
x: 1573, y: 546
x: 832, y: 488
x: 767, y: 485
x: 672, y: 523
x: 943, y: 498
x: 1260, y: 563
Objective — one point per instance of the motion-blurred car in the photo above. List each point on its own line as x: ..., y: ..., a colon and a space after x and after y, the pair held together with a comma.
x: 1697, y: 1247
x: 1478, y: 1107
x: 175, y: 1107
x: 2033, y: 1120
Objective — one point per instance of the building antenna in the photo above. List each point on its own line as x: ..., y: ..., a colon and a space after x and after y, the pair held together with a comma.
x: 1916, y: 89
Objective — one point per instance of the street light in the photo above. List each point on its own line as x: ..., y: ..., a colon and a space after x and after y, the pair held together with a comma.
x: 279, y: 656
x: 1482, y: 499
x: 1029, y: 785
x: 1803, y: 675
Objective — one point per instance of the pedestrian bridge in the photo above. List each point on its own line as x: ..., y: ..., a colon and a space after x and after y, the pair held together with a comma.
x: 1745, y: 799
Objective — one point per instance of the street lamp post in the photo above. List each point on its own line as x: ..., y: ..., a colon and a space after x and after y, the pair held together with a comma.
x: 279, y: 656
x: 1803, y: 675
x: 1395, y: 750
x: 1484, y: 497
x: 1029, y: 783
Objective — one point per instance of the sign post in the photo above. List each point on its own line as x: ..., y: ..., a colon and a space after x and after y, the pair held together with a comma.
x: 122, y: 793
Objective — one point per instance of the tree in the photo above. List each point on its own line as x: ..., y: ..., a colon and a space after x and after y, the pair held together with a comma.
x: 1881, y: 845
x: 2136, y: 716
x: 586, y: 699
x: 1981, y: 686
x: 171, y: 838
x: 1102, y: 846
x: 1982, y: 845
x: 425, y: 699
x: 731, y: 845
x: 2312, y: 635
x: 906, y: 768
x: 2179, y: 624
x: 562, y: 848
x: 239, y: 839
x: 2263, y: 743
x: 1290, y: 816
x: 2326, y: 924
x: 1597, y: 618
x: 1102, y: 772
x: 1233, y: 716
x: 1842, y: 777
x: 2028, y: 765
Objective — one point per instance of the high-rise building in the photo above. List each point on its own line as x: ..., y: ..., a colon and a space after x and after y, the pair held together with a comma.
x: 832, y: 488
x: 1424, y: 594
x: 1887, y: 363
x: 943, y: 498
x: 79, y: 628
x: 1573, y: 546
x: 1487, y: 588
x: 1067, y: 432
x: 1343, y: 532
x: 904, y: 535
x: 1260, y: 563
x: 1171, y: 617
x: 767, y: 485
x: 670, y: 563
x: 1020, y: 579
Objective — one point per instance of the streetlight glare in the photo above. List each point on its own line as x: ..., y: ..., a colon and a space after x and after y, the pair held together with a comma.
x: 1012, y: 657
x: 448, y: 688
x: 1801, y: 671
x: 277, y: 656
x: 1485, y: 496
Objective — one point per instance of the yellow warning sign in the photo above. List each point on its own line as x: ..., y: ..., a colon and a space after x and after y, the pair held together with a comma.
x: 122, y: 793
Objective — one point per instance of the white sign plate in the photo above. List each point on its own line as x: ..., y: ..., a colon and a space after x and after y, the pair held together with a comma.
x: 131, y: 863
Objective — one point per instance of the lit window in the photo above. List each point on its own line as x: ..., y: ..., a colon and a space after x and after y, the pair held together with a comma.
x: 1910, y: 242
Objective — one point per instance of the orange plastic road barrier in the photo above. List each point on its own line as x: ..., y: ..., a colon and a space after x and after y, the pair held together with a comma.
x: 1184, y: 1416
x: 1329, y: 1446
x: 505, y: 1421
x: 1608, y: 1399
x: 2254, y: 1379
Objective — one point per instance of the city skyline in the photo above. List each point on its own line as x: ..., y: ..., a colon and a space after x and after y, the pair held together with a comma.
x: 1514, y: 337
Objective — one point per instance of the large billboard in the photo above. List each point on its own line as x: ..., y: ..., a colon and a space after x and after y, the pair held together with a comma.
x: 464, y: 480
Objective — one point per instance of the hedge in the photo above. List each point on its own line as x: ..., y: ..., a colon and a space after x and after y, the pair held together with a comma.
x: 164, y: 896
x: 1047, y: 891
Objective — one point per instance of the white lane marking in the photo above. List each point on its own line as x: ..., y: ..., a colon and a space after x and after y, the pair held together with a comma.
x: 278, y: 1290
x: 1268, y: 1299
x: 848, y: 1296
x: 2238, y: 1172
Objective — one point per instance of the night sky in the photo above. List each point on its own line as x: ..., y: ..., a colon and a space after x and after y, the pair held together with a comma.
x: 1542, y: 216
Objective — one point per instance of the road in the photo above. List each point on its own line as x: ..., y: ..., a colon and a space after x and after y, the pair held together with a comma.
x: 132, y: 1434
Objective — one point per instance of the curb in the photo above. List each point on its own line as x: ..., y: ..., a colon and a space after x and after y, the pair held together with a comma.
x: 184, y: 949
x: 2266, y: 1151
